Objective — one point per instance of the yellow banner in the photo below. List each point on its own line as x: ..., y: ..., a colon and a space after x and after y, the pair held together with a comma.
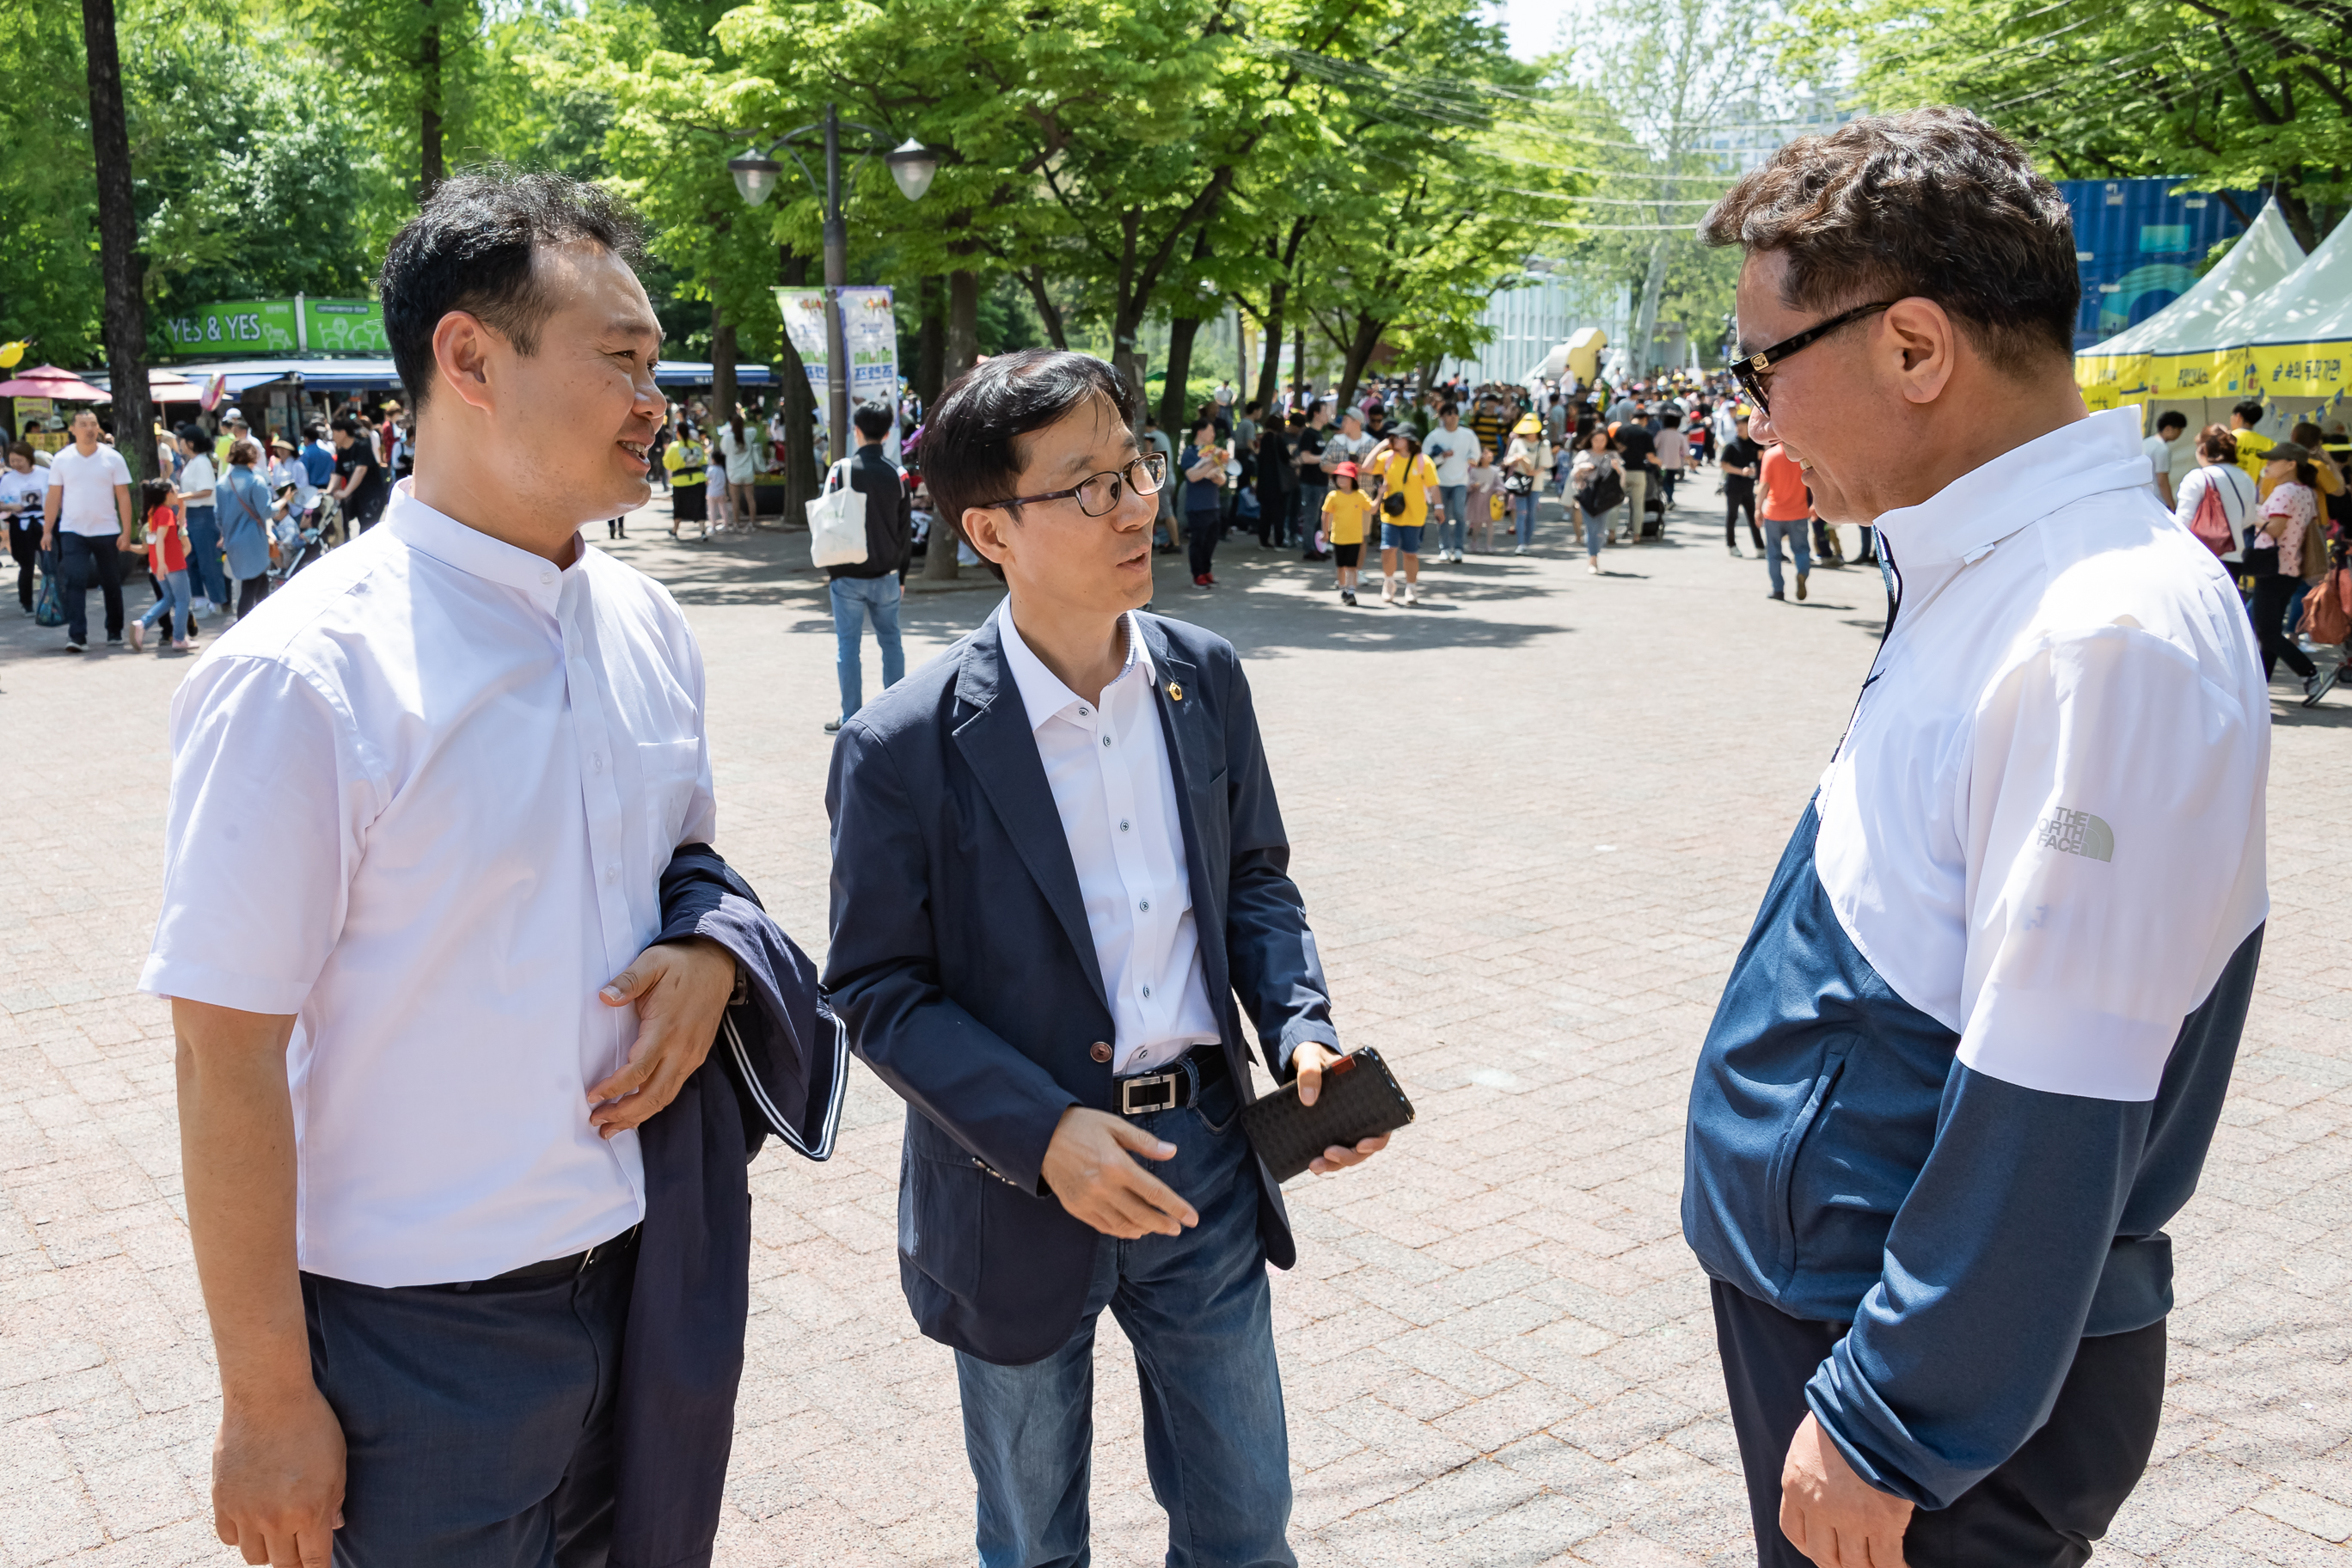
x: 2290, y: 370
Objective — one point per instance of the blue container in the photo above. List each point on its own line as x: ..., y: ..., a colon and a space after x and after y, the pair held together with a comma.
x: 2141, y: 247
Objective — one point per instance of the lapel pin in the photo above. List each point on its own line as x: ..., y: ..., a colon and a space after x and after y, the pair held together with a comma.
x: 1175, y: 692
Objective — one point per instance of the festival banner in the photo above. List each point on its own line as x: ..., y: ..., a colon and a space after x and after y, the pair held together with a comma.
x: 869, y: 327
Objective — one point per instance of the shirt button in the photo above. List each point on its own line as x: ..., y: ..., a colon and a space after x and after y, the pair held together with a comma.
x: 1106, y: 740
x: 1147, y: 991
x: 1122, y: 827
x: 1100, y: 1051
x: 546, y: 576
x: 1145, y: 905
x: 596, y: 763
x: 611, y: 874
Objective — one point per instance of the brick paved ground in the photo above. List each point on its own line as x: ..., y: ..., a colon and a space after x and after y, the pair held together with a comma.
x: 1533, y: 819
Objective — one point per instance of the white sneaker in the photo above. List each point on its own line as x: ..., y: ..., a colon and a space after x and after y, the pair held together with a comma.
x: 138, y: 637
x: 1413, y: 594
x: 1387, y: 590
x: 1522, y: 550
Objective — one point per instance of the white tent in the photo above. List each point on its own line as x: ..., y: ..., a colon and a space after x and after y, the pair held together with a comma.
x: 2265, y: 256
x: 2312, y: 305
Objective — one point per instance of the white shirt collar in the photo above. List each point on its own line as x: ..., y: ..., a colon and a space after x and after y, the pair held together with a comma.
x: 469, y: 549
x: 1044, y: 694
x: 2019, y: 488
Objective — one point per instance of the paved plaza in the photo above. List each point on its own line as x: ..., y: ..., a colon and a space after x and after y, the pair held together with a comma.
x: 1532, y: 820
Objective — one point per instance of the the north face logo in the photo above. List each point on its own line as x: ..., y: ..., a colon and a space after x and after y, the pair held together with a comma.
x: 2077, y: 833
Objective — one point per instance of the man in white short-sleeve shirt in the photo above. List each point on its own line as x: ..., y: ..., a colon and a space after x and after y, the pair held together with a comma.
x: 1450, y: 449
x: 418, y: 1019
x: 87, y: 521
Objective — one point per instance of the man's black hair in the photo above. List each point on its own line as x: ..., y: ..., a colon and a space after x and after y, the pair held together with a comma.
x: 972, y: 454
x: 1448, y: 406
x: 348, y: 425
x: 873, y: 420
x: 470, y: 248
x: 314, y: 431
x: 2250, y: 411
x: 2174, y: 417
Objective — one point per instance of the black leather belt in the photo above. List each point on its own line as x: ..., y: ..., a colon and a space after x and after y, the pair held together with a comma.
x: 554, y: 1268
x: 1174, y: 1087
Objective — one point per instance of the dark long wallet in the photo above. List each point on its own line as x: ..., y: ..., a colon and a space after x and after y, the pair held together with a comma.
x: 1359, y: 1099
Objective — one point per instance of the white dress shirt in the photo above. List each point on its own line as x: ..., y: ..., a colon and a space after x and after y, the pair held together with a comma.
x: 1108, y: 765
x: 2044, y: 825
x: 422, y: 799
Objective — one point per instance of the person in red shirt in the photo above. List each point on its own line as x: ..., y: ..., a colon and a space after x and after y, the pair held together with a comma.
x: 167, y: 562
x: 1787, y: 506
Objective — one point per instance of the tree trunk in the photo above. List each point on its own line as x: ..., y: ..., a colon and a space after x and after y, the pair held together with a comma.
x: 1299, y: 356
x: 1269, y: 374
x: 1048, y: 312
x: 930, y: 339
x: 1359, y: 355
x: 798, y: 400
x: 1645, y: 321
x: 723, y: 394
x: 962, y: 354
x: 118, y: 245
x: 1175, y: 399
x: 428, y: 142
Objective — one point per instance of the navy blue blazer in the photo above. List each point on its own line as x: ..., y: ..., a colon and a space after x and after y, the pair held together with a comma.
x: 962, y: 963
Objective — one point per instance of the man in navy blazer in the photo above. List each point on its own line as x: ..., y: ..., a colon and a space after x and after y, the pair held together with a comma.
x: 1059, y: 878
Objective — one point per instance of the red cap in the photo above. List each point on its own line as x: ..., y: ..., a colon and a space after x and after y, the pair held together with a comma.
x: 1346, y: 469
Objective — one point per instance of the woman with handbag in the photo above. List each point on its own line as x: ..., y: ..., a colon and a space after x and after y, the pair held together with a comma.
x: 1596, y: 478
x: 1408, y: 484
x: 1519, y: 477
x: 2217, y: 496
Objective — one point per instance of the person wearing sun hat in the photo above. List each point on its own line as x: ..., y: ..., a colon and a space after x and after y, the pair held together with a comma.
x: 1522, y: 463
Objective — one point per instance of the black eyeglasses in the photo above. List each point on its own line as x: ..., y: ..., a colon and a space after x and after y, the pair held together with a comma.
x: 1752, y: 369
x: 1098, y: 494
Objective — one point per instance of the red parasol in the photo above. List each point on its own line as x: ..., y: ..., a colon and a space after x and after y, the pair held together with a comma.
x: 49, y: 381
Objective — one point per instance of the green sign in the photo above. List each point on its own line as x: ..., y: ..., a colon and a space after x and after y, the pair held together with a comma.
x: 344, y: 327
x: 259, y: 326
x: 299, y: 325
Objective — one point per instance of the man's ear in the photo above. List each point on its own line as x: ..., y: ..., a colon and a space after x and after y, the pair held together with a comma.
x: 462, y: 348
x: 1922, y: 347
x: 986, y: 527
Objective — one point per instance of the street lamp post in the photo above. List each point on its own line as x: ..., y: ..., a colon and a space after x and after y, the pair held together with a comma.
x: 911, y: 166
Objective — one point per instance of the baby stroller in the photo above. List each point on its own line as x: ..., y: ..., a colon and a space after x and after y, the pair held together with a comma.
x: 299, y: 536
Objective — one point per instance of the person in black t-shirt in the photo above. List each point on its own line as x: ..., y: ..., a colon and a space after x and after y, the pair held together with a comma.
x: 359, y: 477
x: 1740, y: 462
x: 1639, y: 448
x: 1314, y: 484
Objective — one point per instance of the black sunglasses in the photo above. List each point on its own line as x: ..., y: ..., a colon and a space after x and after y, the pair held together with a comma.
x: 1751, y: 369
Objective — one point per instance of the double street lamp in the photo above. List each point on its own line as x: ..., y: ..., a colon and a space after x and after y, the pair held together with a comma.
x: 913, y: 165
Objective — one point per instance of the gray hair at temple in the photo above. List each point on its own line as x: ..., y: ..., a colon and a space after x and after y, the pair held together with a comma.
x: 1933, y: 203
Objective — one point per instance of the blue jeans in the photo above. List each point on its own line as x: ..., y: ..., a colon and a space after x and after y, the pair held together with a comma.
x: 1776, y: 529
x: 1454, y: 519
x: 171, y: 609
x: 1197, y: 1312
x: 1527, y: 519
x: 854, y: 599
x: 1596, y: 523
x: 204, y: 572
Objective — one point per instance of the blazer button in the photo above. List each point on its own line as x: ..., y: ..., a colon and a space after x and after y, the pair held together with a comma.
x: 1100, y: 1051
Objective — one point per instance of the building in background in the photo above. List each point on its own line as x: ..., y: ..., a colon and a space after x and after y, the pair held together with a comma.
x: 1531, y: 317
x: 2142, y: 243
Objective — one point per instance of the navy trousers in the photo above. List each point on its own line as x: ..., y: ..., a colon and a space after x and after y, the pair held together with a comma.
x: 478, y: 1419
x: 2041, y: 1508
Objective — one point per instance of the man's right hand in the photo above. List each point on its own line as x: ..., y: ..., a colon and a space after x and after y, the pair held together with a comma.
x: 277, y: 1479
x: 1087, y: 1166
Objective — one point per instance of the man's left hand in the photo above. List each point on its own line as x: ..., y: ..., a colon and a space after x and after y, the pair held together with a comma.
x: 1311, y: 1059
x: 1833, y: 1516
x: 680, y: 989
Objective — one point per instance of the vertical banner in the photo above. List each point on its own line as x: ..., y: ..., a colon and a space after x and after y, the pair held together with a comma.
x: 870, y: 330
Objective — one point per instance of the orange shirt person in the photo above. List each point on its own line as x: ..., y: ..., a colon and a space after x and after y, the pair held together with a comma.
x: 1788, y: 504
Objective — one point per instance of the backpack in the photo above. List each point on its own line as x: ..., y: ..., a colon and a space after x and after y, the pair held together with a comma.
x: 2327, y: 616
x: 2212, y: 523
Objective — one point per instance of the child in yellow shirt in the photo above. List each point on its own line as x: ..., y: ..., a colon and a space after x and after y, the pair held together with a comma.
x: 1347, y: 510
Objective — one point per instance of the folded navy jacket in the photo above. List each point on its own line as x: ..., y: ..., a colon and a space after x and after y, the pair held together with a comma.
x: 779, y: 1066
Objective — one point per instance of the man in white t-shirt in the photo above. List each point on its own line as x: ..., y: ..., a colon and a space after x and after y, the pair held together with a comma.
x: 1452, y: 448
x: 86, y: 515
x: 2164, y: 449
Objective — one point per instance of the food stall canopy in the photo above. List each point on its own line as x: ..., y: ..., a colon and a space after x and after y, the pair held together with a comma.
x: 162, y: 386
x: 2264, y: 256
x: 363, y: 374
x: 49, y: 381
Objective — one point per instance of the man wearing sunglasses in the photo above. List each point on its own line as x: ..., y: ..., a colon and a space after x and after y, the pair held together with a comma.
x: 1969, y: 1060
x: 1057, y: 863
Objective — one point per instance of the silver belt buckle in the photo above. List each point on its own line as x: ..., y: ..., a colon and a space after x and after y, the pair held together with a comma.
x: 1162, y: 1084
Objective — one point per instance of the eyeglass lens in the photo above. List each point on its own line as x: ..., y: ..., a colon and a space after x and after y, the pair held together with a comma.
x: 1099, y: 495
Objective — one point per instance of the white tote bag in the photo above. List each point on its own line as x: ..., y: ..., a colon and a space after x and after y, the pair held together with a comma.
x: 837, y: 520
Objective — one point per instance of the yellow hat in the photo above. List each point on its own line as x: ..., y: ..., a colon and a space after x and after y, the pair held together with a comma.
x: 1527, y: 426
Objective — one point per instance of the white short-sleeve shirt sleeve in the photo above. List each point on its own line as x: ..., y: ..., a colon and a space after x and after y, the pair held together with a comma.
x: 2107, y: 801
x: 269, y: 808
